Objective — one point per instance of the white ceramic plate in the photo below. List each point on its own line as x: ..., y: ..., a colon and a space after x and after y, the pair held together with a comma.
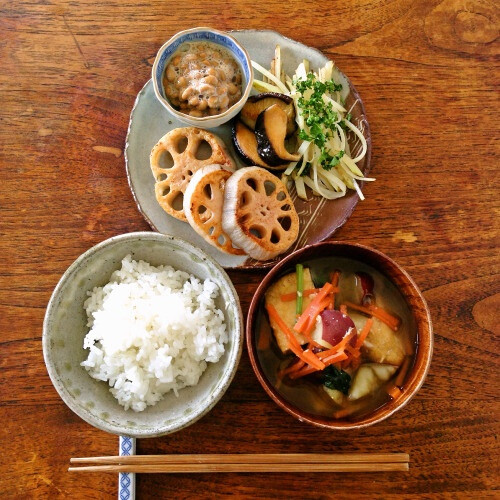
x: 149, y: 121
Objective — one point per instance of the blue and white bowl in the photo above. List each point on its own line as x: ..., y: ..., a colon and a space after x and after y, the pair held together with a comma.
x: 205, y: 35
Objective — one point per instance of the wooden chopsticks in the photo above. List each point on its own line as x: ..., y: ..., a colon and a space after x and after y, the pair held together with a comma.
x: 271, y: 462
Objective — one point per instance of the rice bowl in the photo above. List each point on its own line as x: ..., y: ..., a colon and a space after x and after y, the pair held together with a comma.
x: 66, y: 325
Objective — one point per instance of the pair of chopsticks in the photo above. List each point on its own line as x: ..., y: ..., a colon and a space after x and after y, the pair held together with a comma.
x: 271, y: 462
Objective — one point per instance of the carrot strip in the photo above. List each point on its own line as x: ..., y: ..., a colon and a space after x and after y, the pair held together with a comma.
x: 313, y: 309
x: 394, y: 392
x: 288, y: 297
x: 307, y: 370
x: 402, y: 372
x: 383, y: 315
x: 335, y: 283
x: 335, y: 358
x: 343, y: 309
x: 295, y: 365
x: 354, y: 352
x: 355, y: 363
x: 364, y: 333
x: 293, y: 343
x: 339, y: 346
x: 313, y: 360
x: 379, y: 313
x: 311, y: 324
x: 344, y: 412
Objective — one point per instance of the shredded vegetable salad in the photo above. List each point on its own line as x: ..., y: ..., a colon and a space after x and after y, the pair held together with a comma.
x: 326, y: 165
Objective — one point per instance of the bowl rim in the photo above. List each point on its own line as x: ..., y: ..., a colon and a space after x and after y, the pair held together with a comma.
x: 204, y: 120
x: 371, y: 418
x: 222, y: 384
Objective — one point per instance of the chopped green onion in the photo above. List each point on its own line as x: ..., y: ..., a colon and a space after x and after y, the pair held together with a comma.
x: 299, y: 269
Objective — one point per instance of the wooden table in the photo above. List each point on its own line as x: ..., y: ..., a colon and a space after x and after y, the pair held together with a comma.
x: 426, y: 72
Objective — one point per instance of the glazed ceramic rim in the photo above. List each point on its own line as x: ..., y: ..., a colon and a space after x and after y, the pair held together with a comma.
x: 424, y: 325
x: 223, y: 383
x: 204, y: 120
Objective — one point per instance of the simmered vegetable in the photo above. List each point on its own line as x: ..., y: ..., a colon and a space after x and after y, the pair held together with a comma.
x: 336, y: 396
x: 369, y: 378
x: 287, y: 309
x: 382, y: 345
x: 245, y: 144
x: 335, y: 326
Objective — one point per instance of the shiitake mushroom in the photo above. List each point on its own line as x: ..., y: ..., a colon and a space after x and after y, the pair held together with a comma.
x: 258, y: 103
x: 270, y: 132
x: 245, y: 145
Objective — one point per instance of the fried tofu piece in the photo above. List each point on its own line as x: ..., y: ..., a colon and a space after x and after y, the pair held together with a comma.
x: 382, y: 345
x: 286, y: 310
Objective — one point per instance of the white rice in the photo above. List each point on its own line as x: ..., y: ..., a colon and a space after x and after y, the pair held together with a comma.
x: 152, y: 330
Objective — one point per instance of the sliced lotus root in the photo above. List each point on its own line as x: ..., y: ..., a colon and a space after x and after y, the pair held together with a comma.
x: 259, y: 215
x: 203, y: 201
x: 176, y: 157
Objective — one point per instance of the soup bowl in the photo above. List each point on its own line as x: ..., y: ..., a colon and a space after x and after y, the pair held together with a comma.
x: 418, y: 316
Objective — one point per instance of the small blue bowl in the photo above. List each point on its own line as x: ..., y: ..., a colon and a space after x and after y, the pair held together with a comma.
x: 205, y: 35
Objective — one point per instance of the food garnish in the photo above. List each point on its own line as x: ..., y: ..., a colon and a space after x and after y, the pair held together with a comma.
x: 203, y: 203
x: 335, y: 378
x: 326, y: 164
x: 183, y: 145
x: 299, y: 269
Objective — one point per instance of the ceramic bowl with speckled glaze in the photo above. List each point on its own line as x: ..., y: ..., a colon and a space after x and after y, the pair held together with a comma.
x: 65, y: 327
x: 213, y: 36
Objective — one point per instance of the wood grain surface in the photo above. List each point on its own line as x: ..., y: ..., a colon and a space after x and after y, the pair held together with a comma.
x: 427, y: 71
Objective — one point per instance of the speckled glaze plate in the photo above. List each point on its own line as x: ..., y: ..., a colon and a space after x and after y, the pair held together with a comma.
x: 149, y: 121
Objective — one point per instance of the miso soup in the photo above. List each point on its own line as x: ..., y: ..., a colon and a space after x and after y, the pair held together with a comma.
x: 355, y: 334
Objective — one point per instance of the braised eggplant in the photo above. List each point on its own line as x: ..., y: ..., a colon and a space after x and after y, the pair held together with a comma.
x: 245, y: 144
x: 270, y: 131
x: 258, y: 103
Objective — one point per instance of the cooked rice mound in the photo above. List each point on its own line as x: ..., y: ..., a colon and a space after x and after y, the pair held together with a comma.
x: 152, y: 330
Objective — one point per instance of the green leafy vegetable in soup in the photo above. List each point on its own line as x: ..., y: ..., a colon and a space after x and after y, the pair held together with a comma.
x: 334, y: 378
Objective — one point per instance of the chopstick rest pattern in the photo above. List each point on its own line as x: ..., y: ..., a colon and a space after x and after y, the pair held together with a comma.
x: 126, y: 480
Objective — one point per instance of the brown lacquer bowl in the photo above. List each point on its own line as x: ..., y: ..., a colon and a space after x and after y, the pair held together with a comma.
x: 419, y: 315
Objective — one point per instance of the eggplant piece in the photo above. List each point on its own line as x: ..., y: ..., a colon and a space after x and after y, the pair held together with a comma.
x: 270, y: 131
x: 258, y: 103
x: 245, y: 144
